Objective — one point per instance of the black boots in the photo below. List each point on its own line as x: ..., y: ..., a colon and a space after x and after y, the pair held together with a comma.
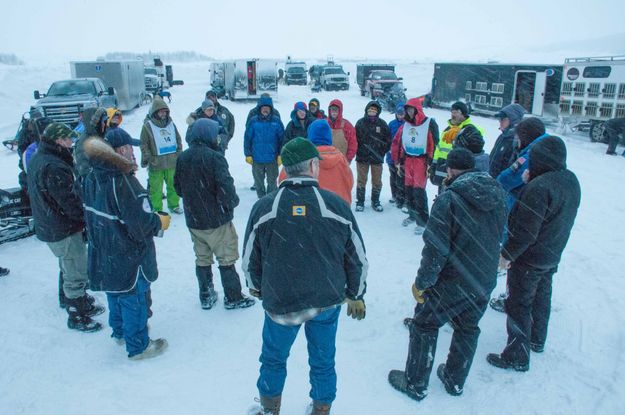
x: 208, y: 296
x: 232, y: 289
x: 398, y: 380
x: 80, y: 310
x: 375, y: 200
x: 62, y: 298
x: 268, y: 406
x: 360, y: 199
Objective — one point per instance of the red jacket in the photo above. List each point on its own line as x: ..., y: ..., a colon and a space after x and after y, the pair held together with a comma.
x: 397, y: 149
x: 348, y: 129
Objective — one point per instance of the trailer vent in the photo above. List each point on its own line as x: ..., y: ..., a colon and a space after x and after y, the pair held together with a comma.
x: 620, y: 111
x: 591, y: 109
x: 593, y: 90
x: 481, y: 86
x: 496, y: 102
x: 497, y: 88
x: 576, y: 108
x: 565, y: 106
x: 606, y: 110
x: 621, y: 91
x: 567, y: 88
x: 580, y: 88
x: 609, y: 91
x: 468, y: 86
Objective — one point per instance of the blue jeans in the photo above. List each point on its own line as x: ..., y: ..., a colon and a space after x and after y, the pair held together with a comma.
x: 128, y: 317
x: 277, y: 342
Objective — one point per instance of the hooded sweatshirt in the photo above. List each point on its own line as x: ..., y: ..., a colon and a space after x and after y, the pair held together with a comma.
x: 350, y: 146
x: 263, y: 135
x: 503, y: 150
x: 374, y: 137
x: 149, y: 154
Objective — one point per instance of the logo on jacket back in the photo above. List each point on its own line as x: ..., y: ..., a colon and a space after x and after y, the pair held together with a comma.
x: 299, y: 210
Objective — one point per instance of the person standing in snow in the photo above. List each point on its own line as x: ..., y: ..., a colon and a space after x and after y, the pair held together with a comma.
x: 59, y: 221
x: 298, y: 126
x: 203, y: 181
x: 304, y: 257
x: 396, y: 179
x: 343, y: 132
x: 207, y: 111
x: 374, y: 140
x: 458, y: 272
x: 538, y: 230
x: 96, y: 123
x: 254, y: 111
x: 412, y: 149
x: 226, y: 119
x: 613, y: 128
x: 262, y: 142
x: 160, y: 146
x: 314, y: 109
x: 121, y: 227
x: 502, y: 153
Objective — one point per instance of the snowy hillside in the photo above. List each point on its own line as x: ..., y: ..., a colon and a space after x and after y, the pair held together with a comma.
x: 212, y: 365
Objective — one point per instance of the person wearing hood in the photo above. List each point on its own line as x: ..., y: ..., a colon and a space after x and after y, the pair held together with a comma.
x: 224, y: 115
x: 207, y: 111
x: 160, y: 146
x: 263, y: 139
x: 314, y: 109
x: 300, y: 120
x: 502, y: 153
x: 396, y: 181
x: 254, y: 111
x: 96, y: 123
x: 334, y: 172
x: 58, y: 216
x: 538, y: 230
x: 458, y: 272
x: 203, y: 181
x: 115, y: 118
x: 412, y: 149
x: 374, y: 140
x: 343, y: 132
x: 460, y: 131
x: 613, y: 128
x: 121, y: 228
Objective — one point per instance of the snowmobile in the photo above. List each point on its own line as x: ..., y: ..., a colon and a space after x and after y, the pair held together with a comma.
x: 16, y: 221
x: 11, y: 143
x: 390, y: 97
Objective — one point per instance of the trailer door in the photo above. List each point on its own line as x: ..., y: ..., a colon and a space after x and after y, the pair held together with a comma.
x: 539, y: 93
x: 251, y: 78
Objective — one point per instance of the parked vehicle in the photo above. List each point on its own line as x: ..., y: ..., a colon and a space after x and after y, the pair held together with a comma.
x: 333, y: 78
x: 66, y: 99
x: 295, y: 73
x: 592, y: 92
x: 127, y: 77
x: 218, y: 78
x: 248, y: 79
x: 153, y: 82
x: 488, y: 87
x: 380, y: 82
x: 16, y: 220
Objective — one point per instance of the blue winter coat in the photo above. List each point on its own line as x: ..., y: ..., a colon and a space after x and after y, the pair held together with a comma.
x: 120, y: 222
x: 511, y: 179
x: 394, y: 126
x: 263, y: 135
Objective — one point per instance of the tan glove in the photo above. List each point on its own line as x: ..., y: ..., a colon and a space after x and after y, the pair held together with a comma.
x: 279, y: 160
x: 418, y: 294
x: 249, y: 160
x: 356, y: 309
x: 165, y: 220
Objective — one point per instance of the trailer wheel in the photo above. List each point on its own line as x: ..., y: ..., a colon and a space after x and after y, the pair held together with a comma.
x: 597, y: 132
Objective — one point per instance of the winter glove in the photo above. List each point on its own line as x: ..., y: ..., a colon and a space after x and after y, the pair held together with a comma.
x: 279, y: 160
x: 249, y: 160
x: 165, y: 220
x: 418, y: 294
x: 255, y: 293
x: 356, y: 309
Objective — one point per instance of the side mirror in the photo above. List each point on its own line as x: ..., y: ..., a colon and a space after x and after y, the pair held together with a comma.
x: 400, y: 79
x: 348, y: 74
x: 111, y: 90
x: 36, y: 95
x: 405, y: 89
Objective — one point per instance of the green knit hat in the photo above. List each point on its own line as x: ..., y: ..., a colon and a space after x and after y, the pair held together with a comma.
x: 297, y: 150
x: 58, y: 130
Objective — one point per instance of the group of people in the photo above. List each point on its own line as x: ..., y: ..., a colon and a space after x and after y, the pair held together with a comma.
x: 512, y: 210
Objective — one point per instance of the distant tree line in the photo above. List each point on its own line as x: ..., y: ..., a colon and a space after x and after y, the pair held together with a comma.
x: 180, y: 56
x: 10, y: 59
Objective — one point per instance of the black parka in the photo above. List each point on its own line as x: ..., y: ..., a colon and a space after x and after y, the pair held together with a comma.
x: 373, y: 136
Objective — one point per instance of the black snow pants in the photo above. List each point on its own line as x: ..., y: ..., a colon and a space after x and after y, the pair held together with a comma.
x: 613, y: 128
x: 397, y: 185
x: 463, y: 314
x: 528, y: 307
x: 417, y: 202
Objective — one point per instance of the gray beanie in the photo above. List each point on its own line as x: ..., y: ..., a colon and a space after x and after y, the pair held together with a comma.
x: 206, y: 104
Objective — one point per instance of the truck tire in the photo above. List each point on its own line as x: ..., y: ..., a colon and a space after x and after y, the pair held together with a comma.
x: 597, y: 132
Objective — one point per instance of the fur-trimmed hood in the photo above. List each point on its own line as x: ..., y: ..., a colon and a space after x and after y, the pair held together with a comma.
x: 103, y: 157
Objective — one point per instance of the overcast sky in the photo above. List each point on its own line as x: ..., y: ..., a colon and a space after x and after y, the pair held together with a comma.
x: 420, y: 30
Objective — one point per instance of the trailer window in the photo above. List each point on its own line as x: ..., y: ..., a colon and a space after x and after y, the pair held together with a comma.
x: 496, y: 102
x: 480, y: 99
x: 579, y: 89
x: 481, y: 86
x: 593, y: 89
x: 620, y: 111
x: 567, y: 88
x: 591, y: 109
x: 497, y: 88
x: 621, y: 91
x: 609, y: 91
x: 606, y: 110
x: 467, y: 97
x: 576, y: 108
x: 565, y: 106
x: 469, y: 85
x: 597, y: 71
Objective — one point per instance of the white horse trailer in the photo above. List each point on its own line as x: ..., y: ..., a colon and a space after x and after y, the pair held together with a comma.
x: 592, y: 92
x: 249, y: 79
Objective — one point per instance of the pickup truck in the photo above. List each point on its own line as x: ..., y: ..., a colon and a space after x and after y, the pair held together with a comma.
x: 67, y: 99
x: 333, y: 77
x: 380, y: 82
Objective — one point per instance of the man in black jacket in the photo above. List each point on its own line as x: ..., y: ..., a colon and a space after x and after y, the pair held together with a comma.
x: 121, y: 228
x: 501, y: 155
x: 374, y: 141
x: 224, y: 114
x: 298, y: 126
x: 304, y: 255
x: 458, y: 271
x: 95, y: 120
x: 202, y: 179
x: 538, y: 230
x: 59, y: 221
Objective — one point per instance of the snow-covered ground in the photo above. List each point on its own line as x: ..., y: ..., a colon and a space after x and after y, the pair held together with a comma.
x: 212, y: 364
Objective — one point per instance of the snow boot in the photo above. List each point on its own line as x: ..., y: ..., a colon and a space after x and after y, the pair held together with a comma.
x: 208, y: 296
x: 268, y: 406
x: 79, y: 315
x: 4, y: 271
x: 232, y: 289
x: 409, y: 220
x: 360, y: 199
x: 499, y: 303
x: 408, y: 322
x: 501, y: 362
x: 375, y: 200
x: 418, y: 230
x: 450, y: 386
x: 398, y: 380
x: 537, y: 347
x: 155, y: 348
x: 318, y: 408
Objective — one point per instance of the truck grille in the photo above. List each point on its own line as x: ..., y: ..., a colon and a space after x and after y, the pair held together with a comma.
x: 65, y: 114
